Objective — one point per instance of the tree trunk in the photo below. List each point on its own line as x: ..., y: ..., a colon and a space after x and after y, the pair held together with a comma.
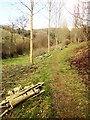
x: 11, y: 44
x: 56, y: 40
x: 49, y: 27
x: 75, y: 38
x: 56, y: 43
x: 78, y: 40
x: 31, y: 33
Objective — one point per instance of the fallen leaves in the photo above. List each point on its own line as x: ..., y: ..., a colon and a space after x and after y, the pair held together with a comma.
x: 80, y: 59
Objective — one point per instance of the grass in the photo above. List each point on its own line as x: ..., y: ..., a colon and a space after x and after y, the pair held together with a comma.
x: 69, y: 89
x: 65, y: 94
x: 25, y: 58
x: 18, y: 60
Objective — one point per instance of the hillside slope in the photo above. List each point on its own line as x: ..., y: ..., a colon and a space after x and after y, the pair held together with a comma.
x: 80, y: 60
x: 65, y: 96
x: 5, y: 33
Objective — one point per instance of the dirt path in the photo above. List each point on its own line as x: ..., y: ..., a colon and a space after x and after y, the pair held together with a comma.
x: 69, y: 97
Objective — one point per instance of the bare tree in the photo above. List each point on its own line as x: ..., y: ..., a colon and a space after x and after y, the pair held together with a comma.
x: 58, y: 10
x: 76, y: 20
x: 85, y: 22
x: 31, y: 26
x: 49, y: 21
x: 81, y: 18
x: 48, y: 4
x: 21, y: 23
x: 31, y: 32
x: 11, y: 29
x: 32, y: 4
x: 50, y: 9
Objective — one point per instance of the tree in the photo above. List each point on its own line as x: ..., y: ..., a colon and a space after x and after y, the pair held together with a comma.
x: 64, y: 34
x: 31, y: 27
x: 8, y: 40
x: 81, y: 18
x: 57, y: 9
x: 32, y: 4
x: 12, y: 44
x: 76, y: 35
x: 49, y: 5
x: 21, y: 23
x: 49, y: 21
x: 31, y: 32
x: 80, y: 15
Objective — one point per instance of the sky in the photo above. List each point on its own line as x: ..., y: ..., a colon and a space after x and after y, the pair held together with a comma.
x: 10, y: 10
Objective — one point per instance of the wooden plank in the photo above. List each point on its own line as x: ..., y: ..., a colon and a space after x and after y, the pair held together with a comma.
x: 25, y: 96
x: 21, y: 98
x: 24, y: 91
x: 15, y: 101
x: 38, y: 93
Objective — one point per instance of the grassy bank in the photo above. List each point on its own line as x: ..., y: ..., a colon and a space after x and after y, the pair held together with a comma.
x: 65, y: 94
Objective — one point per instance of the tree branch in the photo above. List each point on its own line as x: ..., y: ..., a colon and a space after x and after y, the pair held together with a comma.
x: 25, y: 5
x: 75, y: 16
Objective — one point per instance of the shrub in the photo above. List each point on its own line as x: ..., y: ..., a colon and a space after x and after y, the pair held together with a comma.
x: 67, y: 42
x: 38, y: 52
x: 40, y: 40
x: 20, y: 48
x: 7, y: 51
